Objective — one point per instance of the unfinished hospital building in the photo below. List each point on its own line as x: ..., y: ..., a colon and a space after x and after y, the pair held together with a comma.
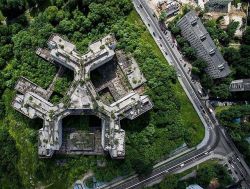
x: 86, y: 95
x: 194, y: 31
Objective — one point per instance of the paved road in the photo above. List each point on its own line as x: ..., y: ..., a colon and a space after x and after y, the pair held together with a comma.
x: 216, y: 140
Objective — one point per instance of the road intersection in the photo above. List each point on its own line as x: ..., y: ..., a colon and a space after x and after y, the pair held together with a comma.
x: 216, y: 143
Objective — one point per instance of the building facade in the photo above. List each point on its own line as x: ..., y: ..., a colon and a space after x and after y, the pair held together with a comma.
x: 196, y: 34
x: 240, y: 85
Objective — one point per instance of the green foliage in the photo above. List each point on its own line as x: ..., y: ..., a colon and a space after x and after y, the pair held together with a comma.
x: 171, y: 181
x: 150, y: 138
x: 9, y: 177
x: 231, y: 29
x: 205, y: 173
x: 239, y: 60
x: 238, y: 131
x: 62, y: 83
x: 246, y: 36
x: 217, y: 33
x: 189, y: 52
x: 14, y: 8
x: 163, y: 15
x: 231, y: 55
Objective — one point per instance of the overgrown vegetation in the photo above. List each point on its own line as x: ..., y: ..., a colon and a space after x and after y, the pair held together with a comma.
x: 236, y: 119
x: 150, y: 138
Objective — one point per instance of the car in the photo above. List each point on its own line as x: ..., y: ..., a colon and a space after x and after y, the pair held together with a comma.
x: 200, y: 92
x: 166, y: 53
x: 154, y: 15
x: 206, y: 153
x: 232, y: 166
x: 148, y: 24
x: 185, y: 65
x: 141, y: 6
x: 154, y: 33
x: 160, y: 37
x: 160, y: 44
x: 210, y: 110
x: 182, y: 165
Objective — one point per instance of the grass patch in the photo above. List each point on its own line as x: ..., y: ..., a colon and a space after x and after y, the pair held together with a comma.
x: 219, y: 109
x: 190, y: 118
x: 146, y: 36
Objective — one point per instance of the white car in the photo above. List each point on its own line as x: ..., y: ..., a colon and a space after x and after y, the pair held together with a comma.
x: 182, y: 165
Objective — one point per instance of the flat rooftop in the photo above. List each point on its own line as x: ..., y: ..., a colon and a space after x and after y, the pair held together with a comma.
x: 240, y: 85
x: 195, y: 32
x: 82, y: 96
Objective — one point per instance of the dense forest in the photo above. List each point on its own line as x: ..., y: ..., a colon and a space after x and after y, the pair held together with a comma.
x: 150, y: 138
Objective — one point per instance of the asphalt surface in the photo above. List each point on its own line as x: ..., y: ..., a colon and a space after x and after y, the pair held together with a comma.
x: 217, y: 141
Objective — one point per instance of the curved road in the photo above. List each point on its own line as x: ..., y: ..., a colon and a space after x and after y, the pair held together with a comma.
x: 216, y: 140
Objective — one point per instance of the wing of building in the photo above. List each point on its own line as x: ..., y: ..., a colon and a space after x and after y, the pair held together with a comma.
x: 82, y: 96
x: 240, y: 85
x: 196, y: 34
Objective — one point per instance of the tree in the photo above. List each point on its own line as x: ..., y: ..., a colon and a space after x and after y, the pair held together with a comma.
x: 206, y: 81
x: 231, y: 29
x: 9, y: 177
x: 141, y: 167
x: 200, y: 64
x: 244, y: 51
x: 12, y: 8
x: 224, y: 38
x: 163, y: 15
x: 205, y: 175
x: 221, y: 90
x: 189, y: 52
x: 176, y: 30
x: 231, y: 55
x: 180, y: 40
x: 51, y: 14
x: 243, y: 68
x: 170, y: 182
x: 196, y: 71
x: 246, y: 36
